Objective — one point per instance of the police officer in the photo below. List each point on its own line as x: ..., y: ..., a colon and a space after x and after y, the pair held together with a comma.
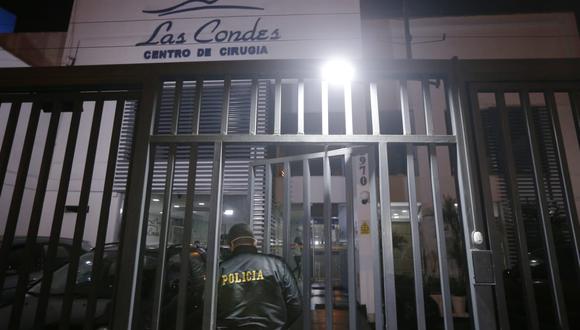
x: 255, y: 291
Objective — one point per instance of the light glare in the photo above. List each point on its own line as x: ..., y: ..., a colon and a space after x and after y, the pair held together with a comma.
x: 337, y: 71
x: 229, y: 212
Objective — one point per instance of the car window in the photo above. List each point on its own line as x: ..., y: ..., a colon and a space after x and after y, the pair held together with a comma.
x: 84, y: 276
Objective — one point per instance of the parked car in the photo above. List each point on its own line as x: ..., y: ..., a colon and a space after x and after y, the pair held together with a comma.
x: 85, y: 280
x: 35, y: 260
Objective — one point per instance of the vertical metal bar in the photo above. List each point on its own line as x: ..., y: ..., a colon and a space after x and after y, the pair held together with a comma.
x: 197, y: 106
x: 226, y: 105
x: 251, y: 193
x: 327, y: 214
x: 7, y: 142
x: 254, y: 107
x: 324, y: 104
x: 19, y: 187
x: 268, y: 216
x: 35, y: 217
x: 437, y: 210
x: 375, y: 120
x: 300, y: 107
x: 210, y: 292
x: 553, y: 268
x: 286, y: 213
x: 104, y: 215
x: 81, y: 215
x: 413, y: 212
x: 563, y: 164
x: 58, y: 215
x: 481, y: 297
x: 139, y: 308
x: 405, y: 111
x: 307, y: 252
x: 132, y: 232
x: 415, y: 238
x: 426, y: 92
x: 184, y: 271
x: 440, y: 232
x: 350, y: 239
x: 162, y: 250
x: 176, y: 106
x: 511, y: 171
x: 278, y: 107
x: 494, y: 241
x: 348, y: 120
x: 388, y: 257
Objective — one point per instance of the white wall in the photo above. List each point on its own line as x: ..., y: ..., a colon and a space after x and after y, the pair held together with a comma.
x: 551, y: 35
x: 76, y: 178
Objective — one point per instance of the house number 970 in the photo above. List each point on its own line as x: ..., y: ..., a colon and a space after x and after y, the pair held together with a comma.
x: 363, y: 168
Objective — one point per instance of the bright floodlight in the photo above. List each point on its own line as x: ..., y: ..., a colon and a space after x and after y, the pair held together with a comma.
x: 337, y: 71
x: 229, y: 212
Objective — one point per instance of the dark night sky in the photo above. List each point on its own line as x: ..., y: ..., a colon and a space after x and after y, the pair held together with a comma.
x: 38, y: 15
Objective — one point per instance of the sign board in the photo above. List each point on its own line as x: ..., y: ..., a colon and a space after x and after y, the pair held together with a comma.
x: 365, y: 229
x: 149, y: 31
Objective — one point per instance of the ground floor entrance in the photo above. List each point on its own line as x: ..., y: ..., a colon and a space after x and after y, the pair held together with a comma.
x: 421, y: 195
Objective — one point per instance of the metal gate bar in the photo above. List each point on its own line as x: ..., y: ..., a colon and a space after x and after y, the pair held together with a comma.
x: 215, y: 220
x: 35, y: 216
x: 324, y: 106
x: 254, y: 107
x: 197, y: 106
x: 104, y: 214
x: 375, y: 119
x: 300, y: 110
x: 286, y: 212
x: 58, y: 215
x: 350, y: 239
x: 437, y: 209
x: 562, y: 164
x: 251, y: 192
x: 167, y: 210
x: 348, y: 108
x: 335, y: 139
x: 226, y: 105
x: 386, y: 236
x: 511, y: 174
x: 140, y: 177
x: 162, y: 249
x: 413, y: 212
x: 19, y: 186
x: 82, y: 214
x: 554, y: 272
x: 306, y: 252
x: 327, y: 215
x: 185, y: 248
x: 268, y: 218
x: 487, y: 206
x: 5, y: 152
x: 456, y: 95
x: 278, y: 107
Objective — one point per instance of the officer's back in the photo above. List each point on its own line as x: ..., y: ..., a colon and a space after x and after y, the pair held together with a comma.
x: 255, y: 290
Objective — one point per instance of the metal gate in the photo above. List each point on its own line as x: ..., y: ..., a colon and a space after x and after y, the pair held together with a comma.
x: 235, y: 143
x: 207, y: 137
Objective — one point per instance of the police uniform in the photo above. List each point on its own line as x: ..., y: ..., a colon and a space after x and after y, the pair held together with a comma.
x: 256, y: 291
